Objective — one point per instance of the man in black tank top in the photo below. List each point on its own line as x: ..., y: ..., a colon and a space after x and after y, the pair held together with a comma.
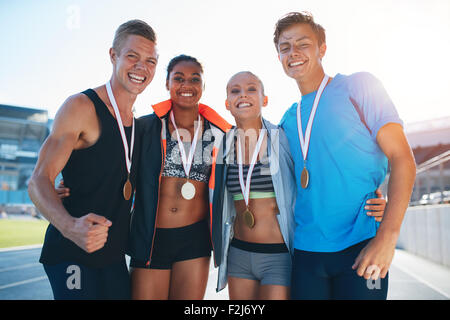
x: 94, y: 142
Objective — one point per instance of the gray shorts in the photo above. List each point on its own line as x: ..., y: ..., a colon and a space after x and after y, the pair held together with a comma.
x: 267, y: 268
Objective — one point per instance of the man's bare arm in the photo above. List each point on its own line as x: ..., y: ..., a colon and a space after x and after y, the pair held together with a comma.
x: 89, y: 232
x: 393, y: 142
x: 380, y: 250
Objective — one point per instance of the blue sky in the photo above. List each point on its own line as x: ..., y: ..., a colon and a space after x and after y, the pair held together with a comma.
x: 52, y: 49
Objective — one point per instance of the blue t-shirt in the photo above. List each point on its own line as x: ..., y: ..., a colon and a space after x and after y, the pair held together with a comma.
x: 345, y: 163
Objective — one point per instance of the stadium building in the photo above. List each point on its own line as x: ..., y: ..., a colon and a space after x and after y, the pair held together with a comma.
x: 430, y: 141
x: 22, y: 132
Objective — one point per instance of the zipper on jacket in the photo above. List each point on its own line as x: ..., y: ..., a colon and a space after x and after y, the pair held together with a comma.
x: 210, y: 205
x: 163, y: 156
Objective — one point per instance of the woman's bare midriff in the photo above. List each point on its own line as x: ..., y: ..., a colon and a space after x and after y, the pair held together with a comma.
x: 266, y: 228
x: 173, y: 210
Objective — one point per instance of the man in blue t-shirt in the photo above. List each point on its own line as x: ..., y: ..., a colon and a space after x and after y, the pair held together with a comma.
x: 342, y: 134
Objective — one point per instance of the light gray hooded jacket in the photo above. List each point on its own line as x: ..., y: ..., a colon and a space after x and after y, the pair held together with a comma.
x: 282, y: 171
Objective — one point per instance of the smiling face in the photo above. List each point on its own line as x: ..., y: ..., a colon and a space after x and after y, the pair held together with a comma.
x: 245, y: 96
x: 135, y: 63
x: 300, y: 53
x: 185, y: 84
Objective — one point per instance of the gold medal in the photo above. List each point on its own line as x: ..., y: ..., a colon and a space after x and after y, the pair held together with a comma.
x: 249, y: 219
x: 304, y: 178
x: 127, y: 189
x: 304, y: 140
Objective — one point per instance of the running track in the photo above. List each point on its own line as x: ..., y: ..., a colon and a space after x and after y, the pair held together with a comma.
x: 22, y: 277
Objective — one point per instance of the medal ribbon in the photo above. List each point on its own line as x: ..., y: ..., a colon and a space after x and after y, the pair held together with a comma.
x: 246, y: 187
x: 128, y: 155
x: 187, y: 162
x: 304, y: 142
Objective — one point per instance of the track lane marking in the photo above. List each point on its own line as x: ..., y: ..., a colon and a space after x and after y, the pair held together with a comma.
x: 19, y: 283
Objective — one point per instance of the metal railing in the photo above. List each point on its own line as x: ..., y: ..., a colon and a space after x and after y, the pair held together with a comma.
x: 432, y: 184
x: 433, y: 162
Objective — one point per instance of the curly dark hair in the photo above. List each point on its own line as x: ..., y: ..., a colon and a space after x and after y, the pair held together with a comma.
x: 181, y: 58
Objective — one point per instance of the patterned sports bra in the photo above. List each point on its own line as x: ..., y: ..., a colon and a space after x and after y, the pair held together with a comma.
x: 202, y: 161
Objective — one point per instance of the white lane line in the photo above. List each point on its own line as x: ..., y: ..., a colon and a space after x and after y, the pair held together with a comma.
x: 15, y: 284
x: 34, y: 246
x: 29, y: 265
x: 12, y: 260
x: 420, y: 279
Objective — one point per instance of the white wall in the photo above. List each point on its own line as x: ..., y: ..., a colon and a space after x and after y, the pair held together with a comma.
x: 426, y: 232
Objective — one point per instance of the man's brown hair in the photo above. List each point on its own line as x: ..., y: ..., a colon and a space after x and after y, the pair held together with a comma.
x: 132, y: 27
x: 296, y: 18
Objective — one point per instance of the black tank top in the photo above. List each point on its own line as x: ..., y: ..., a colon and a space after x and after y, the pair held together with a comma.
x: 95, y: 176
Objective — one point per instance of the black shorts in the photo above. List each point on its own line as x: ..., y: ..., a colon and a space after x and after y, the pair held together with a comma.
x: 178, y: 244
